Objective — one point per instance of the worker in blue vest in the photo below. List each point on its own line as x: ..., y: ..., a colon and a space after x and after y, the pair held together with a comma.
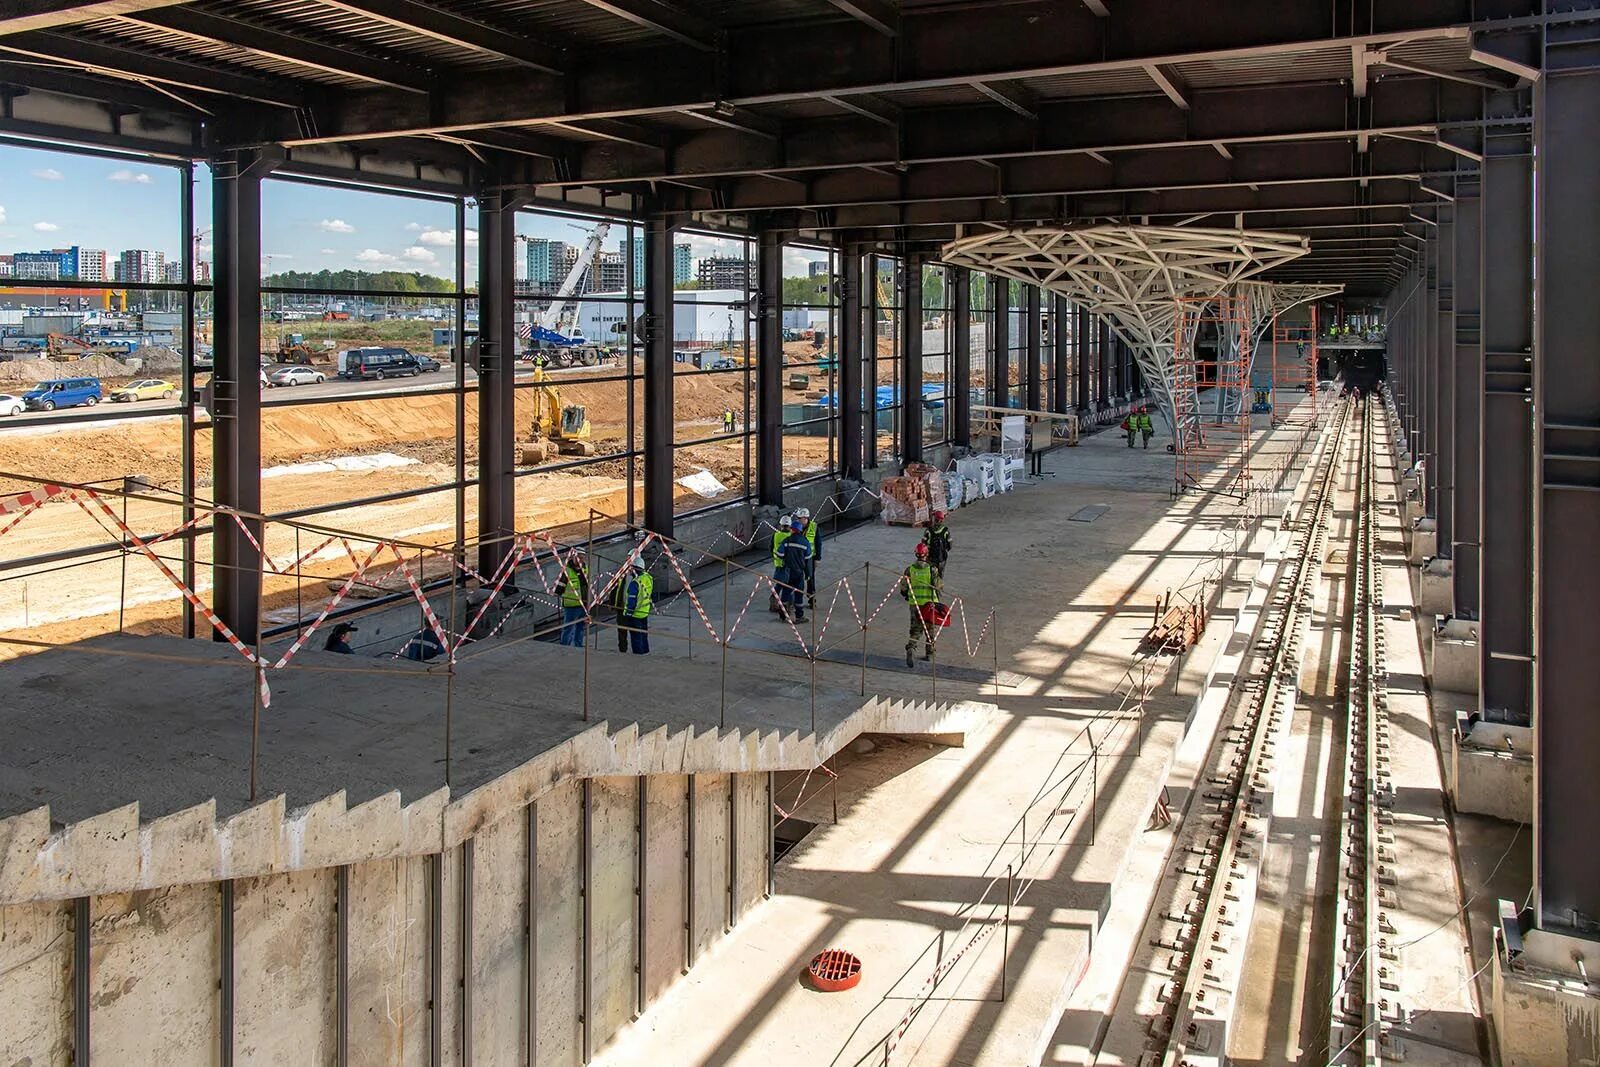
x: 636, y: 589
x: 780, y: 534
x: 813, y: 534
x: 920, y: 585
x: 796, y: 570
x: 573, y: 589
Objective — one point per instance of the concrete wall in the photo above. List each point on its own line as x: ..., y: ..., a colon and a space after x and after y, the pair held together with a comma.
x: 514, y: 890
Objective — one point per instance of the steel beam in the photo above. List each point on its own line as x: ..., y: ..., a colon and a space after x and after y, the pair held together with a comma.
x: 459, y: 31
x: 98, y: 57
x: 236, y: 389
x: 1082, y: 349
x: 1444, y: 382
x: 1103, y: 375
x: 1062, y: 319
x: 665, y: 19
x: 1468, y: 397
x: 1000, y: 354
x: 1505, y: 630
x: 659, y: 232
x: 20, y: 16
x: 769, y: 367
x: 958, y: 391
x: 1033, y: 371
x: 497, y: 371
x: 1428, y: 366
x: 1566, y: 566
x: 911, y: 410
x: 850, y: 354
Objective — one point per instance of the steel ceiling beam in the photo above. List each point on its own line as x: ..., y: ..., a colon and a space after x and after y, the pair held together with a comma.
x: 128, y: 65
x: 668, y: 20
x: 390, y: 71
x: 21, y: 16
x: 880, y: 15
x: 1168, y: 84
x: 457, y: 30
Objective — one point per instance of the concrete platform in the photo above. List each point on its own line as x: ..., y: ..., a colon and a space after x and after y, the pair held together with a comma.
x: 1453, y: 656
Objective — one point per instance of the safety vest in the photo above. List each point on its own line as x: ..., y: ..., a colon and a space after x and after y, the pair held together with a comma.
x: 811, y: 535
x: 778, y: 538
x: 572, y: 595
x: 920, y: 579
x: 1142, y: 422
x: 647, y: 586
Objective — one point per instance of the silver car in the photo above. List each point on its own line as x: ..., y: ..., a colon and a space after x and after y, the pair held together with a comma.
x: 296, y: 376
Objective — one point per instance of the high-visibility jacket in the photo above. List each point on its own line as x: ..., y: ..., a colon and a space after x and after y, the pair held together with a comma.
x: 640, y: 588
x: 937, y: 538
x: 1142, y: 422
x: 922, y: 585
x: 574, y: 586
x: 814, y: 535
x: 778, y: 538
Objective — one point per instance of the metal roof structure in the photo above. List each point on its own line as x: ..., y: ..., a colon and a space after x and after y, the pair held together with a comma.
x: 1132, y: 275
x: 902, y: 123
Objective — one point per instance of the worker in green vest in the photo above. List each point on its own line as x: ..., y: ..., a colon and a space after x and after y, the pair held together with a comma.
x: 573, y: 589
x: 780, y: 534
x: 920, y: 585
x: 633, y: 615
x: 1142, y: 423
x: 814, y: 536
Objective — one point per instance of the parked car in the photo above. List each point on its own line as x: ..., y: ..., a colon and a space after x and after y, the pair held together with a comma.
x: 359, y: 364
x: 296, y: 376
x: 12, y: 405
x: 725, y: 363
x: 63, y: 393
x: 145, y: 389
x: 427, y: 364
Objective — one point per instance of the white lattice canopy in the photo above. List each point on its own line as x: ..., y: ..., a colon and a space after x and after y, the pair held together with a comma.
x: 1132, y: 275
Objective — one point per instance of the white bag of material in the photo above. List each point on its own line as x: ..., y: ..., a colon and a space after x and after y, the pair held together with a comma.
x: 971, y: 491
x: 1004, y: 478
x: 955, y: 489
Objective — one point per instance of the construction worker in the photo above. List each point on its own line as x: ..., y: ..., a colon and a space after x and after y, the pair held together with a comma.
x: 780, y: 534
x: 796, y: 570
x: 920, y: 585
x: 339, y: 639
x: 636, y: 590
x: 937, y: 539
x: 573, y: 589
x: 1130, y: 426
x: 727, y: 420
x: 1143, y: 424
x: 813, y: 534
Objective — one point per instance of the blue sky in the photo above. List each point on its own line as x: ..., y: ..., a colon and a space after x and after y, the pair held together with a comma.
x: 55, y: 199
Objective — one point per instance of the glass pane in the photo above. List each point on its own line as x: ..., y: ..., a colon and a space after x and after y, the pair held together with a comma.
x: 324, y: 237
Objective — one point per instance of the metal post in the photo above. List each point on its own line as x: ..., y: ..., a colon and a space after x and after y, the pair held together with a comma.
x: 641, y: 893
x: 531, y: 982
x: 122, y: 584
x: 958, y: 392
x: 1467, y: 395
x: 911, y: 410
x: 82, y: 981
x: 1005, y: 937
x: 769, y: 367
x: 1082, y: 327
x: 849, y: 362
x: 772, y: 836
x: 341, y: 986
x: 1000, y: 357
x: 812, y: 654
x: 255, y: 727
x: 497, y: 354
x: 995, y: 637
x: 866, y: 609
x: 225, y: 945
x: 688, y: 876
x: 1444, y: 386
x: 585, y: 862
x: 1061, y: 314
x: 450, y: 672
x: 722, y: 714
x: 659, y: 231
x: 467, y: 860
x: 1033, y: 375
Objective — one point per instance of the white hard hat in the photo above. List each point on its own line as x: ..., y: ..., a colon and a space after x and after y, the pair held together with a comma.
x: 802, y: 513
x: 786, y: 520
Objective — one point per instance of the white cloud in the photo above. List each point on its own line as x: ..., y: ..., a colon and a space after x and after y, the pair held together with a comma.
x: 2, y: 213
x: 47, y: 174
x: 46, y: 227
x: 372, y: 255
x: 336, y: 226
x: 418, y: 254
x: 125, y: 175
x: 437, y: 238
x: 472, y: 237
x: 328, y: 251
x: 413, y: 227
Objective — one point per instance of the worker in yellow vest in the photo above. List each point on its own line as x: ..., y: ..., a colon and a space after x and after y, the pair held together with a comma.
x: 573, y: 589
x: 780, y: 534
x: 633, y: 614
x: 814, y: 537
x: 920, y: 585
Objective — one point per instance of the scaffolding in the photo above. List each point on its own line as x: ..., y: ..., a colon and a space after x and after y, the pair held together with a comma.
x: 1211, y: 418
x: 1299, y: 372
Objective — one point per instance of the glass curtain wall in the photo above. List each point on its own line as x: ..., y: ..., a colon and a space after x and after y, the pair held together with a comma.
x: 882, y: 405
x: 937, y: 332
x: 810, y: 317
x: 1016, y: 343
x: 982, y: 310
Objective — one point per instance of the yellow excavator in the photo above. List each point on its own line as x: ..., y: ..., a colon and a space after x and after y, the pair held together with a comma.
x: 557, y: 429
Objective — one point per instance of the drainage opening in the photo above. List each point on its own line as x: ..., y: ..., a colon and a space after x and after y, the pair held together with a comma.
x: 788, y: 834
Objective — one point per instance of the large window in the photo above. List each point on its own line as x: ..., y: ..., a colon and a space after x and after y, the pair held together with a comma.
x: 937, y: 334
x: 714, y: 383
x: 882, y: 404
x: 1016, y: 343
x: 809, y: 327
x: 982, y: 326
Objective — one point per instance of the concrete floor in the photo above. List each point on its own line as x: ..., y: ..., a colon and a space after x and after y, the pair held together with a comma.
x: 923, y: 837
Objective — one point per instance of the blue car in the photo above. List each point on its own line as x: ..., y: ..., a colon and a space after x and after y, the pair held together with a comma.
x: 63, y: 393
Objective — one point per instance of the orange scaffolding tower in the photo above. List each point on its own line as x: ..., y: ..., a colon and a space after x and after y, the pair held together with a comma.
x: 1300, y: 372
x: 1211, y: 392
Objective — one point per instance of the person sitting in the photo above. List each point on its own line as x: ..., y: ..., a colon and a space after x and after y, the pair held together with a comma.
x: 423, y: 646
x: 339, y: 639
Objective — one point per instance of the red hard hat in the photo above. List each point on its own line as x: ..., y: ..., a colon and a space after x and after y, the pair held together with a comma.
x: 938, y: 515
x: 922, y: 550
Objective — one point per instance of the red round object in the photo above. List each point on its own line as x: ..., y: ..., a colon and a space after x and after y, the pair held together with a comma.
x: 834, y: 970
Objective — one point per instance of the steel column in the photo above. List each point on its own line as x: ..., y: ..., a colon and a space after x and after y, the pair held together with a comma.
x: 1468, y: 395
x: 229, y: 976
x: 869, y: 360
x: 1505, y: 630
x: 1082, y: 324
x: 849, y: 361
x: 1444, y: 383
x: 497, y: 377
x: 911, y: 410
x: 958, y: 392
x: 659, y: 231
x: 1062, y: 318
x: 82, y: 980
x: 769, y: 368
x: 1000, y: 354
x: 1566, y: 567
x: 1033, y: 398
x: 1103, y: 377
x: 1428, y: 363
x: 236, y: 387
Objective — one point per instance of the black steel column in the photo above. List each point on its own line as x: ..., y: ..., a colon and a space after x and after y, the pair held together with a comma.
x: 1062, y: 321
x: 497, y: 377
x: 1428, y: 351
x: 236, y: 386
x: 1103, y: 377
x: 1566, y: 563
x: 1467, y: 417
x: 959, y: 391
x: 1033, y: 397
x: 1000, y: 357
x: 911, y: 410
x: 769, y: 368
x: 1082, y: 356
x: 1444, y: 384
x: 658, y: 389
x: 1505, y: 630
x: 869, y: 358
x: 849, y: 361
